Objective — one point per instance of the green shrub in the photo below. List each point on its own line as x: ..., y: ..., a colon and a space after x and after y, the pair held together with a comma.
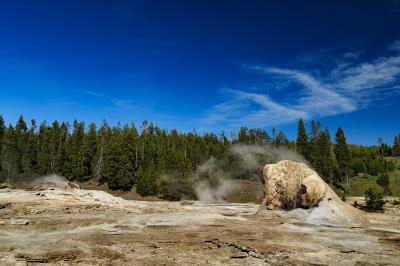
x: 175, y: 188
x: 383, y: 181
x: 374, y: 200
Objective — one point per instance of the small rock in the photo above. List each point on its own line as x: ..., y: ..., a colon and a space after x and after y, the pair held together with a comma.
x: 347, y: 251
x: 19, y: 221
x: 4, y: 205
x: 186, y: 202
x: 112, y: 231
x: 154, y: 246
x: 254, y: 255
x: 245, y: 249
x: 240, y: 255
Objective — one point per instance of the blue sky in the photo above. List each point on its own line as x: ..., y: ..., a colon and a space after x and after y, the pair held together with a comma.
x: 205, y: 65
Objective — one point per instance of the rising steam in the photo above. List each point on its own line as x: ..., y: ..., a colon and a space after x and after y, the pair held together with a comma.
x: 214, y: 179
x: 49, y: 178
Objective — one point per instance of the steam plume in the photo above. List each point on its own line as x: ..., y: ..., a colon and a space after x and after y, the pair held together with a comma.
x: 49, y: 178
x: 214, y: 179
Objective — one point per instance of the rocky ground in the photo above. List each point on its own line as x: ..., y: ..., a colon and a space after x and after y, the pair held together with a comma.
x: 92, y: 227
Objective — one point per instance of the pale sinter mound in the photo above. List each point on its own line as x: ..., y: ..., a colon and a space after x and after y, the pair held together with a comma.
x: 289, y: 185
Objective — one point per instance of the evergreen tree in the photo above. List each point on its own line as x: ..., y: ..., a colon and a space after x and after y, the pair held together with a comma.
x: 376, y: 167
x: 281, y: 139
x: 147, y: 184
x: 21, y: 140
x: 302, y: 139
x: 131, y: 141
x: 358, y: 166
x: 88, y: 151
x: 29, y: 157
x: 44, y: 149
x: 383, y: 181
x: 9, y: 155
x: 312, y: 153
x: 243, y: 136
x: 342, y: 155
x: 54, y: 147
x: 118, y: 169
x: 76, y: 151
x: 396, y: 146
x: 66, y: 151
x: 99, y: 158
x: 325, y: 159
x: 2, y: 132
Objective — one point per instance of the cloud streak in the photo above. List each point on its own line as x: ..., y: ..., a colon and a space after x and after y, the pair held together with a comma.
x: 244, y: 108
x: 94, y: 93
x: 346, y: 87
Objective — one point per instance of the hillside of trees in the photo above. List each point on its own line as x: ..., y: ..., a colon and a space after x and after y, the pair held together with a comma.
x: 127, y: 156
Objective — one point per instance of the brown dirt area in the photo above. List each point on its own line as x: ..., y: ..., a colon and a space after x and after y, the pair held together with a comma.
x: 94, y: 228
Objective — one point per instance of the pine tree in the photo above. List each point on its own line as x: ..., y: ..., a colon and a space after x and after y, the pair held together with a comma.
x: 2, y: 132
x: 326, y: 161
x: 118, y: 169
x: 9, y: 155
x: 2, y: 129
x: 384, y: 182
x: 88, y: 151
x: 358, y: 166
x: 44, y: 150
x: 147, y: 184
x: 163, y: 160
x: 21, y: 140
x: 66, y: 152
x: 61, y: 151
x: 281, y: 139
x: 99, y: 158
x: 342, y: 155
x: 76, y: 149
x: 243, y: 135
x: 29, y: 157
x: 312, y: 146
x: 396, y: 146
x: 262, y: 136
x: 131, y: 141
x: 302, y: 139
x: 54, y: 146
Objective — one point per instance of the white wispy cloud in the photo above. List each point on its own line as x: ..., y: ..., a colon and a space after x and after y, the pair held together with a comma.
x: 316, y: 97
x: 94, y: 93
x: 251, y: 109
x: 124, y: 104
x: 382, y: 72
x: 345, y: 88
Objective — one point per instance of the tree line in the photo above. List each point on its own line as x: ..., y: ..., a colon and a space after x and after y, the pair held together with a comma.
x: 124, y: 156
x: 337, y: 162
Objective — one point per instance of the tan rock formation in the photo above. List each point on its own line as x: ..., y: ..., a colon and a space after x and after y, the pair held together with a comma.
x: 289, y: 185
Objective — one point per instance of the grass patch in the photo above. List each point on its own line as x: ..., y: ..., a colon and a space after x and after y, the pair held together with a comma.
x: 360, y: 184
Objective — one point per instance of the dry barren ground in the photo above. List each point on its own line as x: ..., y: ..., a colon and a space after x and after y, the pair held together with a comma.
x: 92, y: 227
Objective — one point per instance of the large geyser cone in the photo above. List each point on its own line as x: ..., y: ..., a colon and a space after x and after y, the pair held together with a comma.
x: 289, y: 185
